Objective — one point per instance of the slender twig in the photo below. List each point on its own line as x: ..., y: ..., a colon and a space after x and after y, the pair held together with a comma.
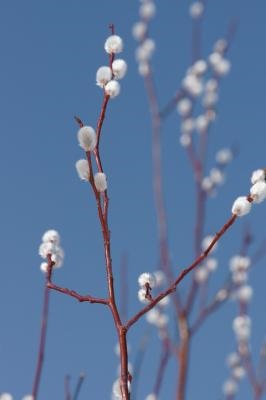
x: 183, y: 355
x: 41, y: 351
x: 78, y: 386
x: 196, y: 38
x: 170, y: 106
x: 79, y: 297
x: 67, y: 388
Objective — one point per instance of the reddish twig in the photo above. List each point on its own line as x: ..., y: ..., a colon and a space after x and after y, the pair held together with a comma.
x: 183, y: 356
x: 182, y: 274
x: 79, y: 297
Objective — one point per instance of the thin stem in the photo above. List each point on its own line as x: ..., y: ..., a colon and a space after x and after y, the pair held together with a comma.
x: 103, y: 218
x: 196, y: 39
x: 170, y: 106
x: 200, y: 213
x: 79, y: 297
x: 124, y: 364
x: 251, y: 375
x: 78, y: 387
x: 67, y: 388
x: 183, y: 354
x: 41, y: 351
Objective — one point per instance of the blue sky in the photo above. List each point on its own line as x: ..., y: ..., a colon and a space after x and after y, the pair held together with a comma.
x: 50, y: 52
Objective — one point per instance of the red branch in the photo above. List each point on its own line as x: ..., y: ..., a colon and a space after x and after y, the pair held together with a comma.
x: 183, y: 273
x: 79, y: 297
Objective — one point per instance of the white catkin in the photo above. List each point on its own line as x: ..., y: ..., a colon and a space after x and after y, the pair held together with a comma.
x: 258, y: 191
x: 87, y: 138
x: 112, y: 88
x: 230, y: 387
x: 241, y: 206
x: 147, y: 10
x: 6, y: 396
x: 113, y: 44
x: 142, y: 296
x: 146, y: 277
x: 103, y: 75
x: 233, y: 359
x: 83, y: 170
x: 51, y: 236
x: 119, y: 68
x: 196, y: 9
x: 139, y: 30
x: 258, y: 175
x: 100, y: 181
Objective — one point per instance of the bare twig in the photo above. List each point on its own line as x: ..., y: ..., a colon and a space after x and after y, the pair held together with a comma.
x: 78, y: 386
x: 67, y: 388
x: 40, y: 359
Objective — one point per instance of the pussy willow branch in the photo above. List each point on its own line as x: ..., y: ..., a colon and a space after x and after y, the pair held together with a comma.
x: 103, y: 217
x: 171, y: 104
x: 102, y: 202
x: 182, y: 274
x: 198, y: 164
x: 228, y: 286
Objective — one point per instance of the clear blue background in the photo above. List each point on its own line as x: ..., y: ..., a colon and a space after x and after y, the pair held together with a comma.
x: 50, y: 52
